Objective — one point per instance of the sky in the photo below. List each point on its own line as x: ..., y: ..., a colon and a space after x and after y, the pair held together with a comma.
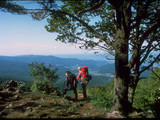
x: 21, y: 35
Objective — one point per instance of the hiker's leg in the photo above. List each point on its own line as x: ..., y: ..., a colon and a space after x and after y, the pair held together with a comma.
x: 84, y: 90
x: 75, y: 93
x: 65, y: 90
x: 84, y: 83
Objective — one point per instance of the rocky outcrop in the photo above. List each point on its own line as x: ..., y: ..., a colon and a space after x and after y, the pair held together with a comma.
x: 8, y: 94
x: 10, y: 84
x: 9, y: 91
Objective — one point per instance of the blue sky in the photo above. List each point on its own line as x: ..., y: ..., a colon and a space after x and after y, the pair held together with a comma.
x: 21, y: 35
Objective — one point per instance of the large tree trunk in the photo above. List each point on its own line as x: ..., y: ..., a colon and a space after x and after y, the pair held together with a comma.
x: 121, y: 80
x: 122, y: 71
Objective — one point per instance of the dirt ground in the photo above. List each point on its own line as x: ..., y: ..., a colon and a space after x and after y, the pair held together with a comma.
x: 36, y: 105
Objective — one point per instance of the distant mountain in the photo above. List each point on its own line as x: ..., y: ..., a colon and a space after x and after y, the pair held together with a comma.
x: 86, y: 56
x: 16, y: 67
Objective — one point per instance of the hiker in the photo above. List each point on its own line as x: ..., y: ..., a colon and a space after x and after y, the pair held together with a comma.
x: 83, y: 76
x: 71, y: 84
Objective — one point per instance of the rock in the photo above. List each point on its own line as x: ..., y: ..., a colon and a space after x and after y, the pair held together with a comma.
x: 42, y: 100
x: 16, y: 97
x: 114, y: 114
x: 141, y: 114
x: 150, y: 114
x: 44, y: 115
x: 17, y: 91
x: 11, y: 83
x: 9, y: 106
x: 53, y: 109
x: 11, y: 89
x: 85, y: 114
x: 29, y: 109
x: 5, y: 112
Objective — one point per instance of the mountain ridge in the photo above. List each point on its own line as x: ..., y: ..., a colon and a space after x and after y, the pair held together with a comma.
x: 17, y: 67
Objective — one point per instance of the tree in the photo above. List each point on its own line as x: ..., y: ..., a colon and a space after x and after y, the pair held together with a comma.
x: 41, y: 72
x: 44, y: 78
x: 11, y: 7
x: 122, y: 28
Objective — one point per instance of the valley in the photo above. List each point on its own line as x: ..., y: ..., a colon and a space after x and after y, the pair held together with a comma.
x: 17, y: 68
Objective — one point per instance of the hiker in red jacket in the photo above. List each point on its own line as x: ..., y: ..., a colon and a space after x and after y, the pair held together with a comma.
x: 83, y: 76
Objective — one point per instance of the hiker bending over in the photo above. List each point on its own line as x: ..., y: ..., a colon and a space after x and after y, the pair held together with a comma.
x: 83, y: 76
x: 71, y: 84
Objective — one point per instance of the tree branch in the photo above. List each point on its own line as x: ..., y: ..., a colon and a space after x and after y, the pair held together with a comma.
x: 150, y: 64
x: 149, y: 45
x: 91, y: 8
x: 150, y: 48
x: 6, y: 6
x: 152, y: 29
x: 84, y: 24
x: 141, y: 14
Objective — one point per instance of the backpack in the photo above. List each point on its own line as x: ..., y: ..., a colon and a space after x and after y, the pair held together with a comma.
x: 85, y: 73
x: 73, y: 79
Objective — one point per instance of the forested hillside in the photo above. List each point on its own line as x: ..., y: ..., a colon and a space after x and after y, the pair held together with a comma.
x: 17, y: 68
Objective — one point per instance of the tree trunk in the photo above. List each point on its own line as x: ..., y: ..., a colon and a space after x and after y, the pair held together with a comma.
x: 134, y: 78
x: 131, y: 89
x: 121, y: 80
x: 122, y: 71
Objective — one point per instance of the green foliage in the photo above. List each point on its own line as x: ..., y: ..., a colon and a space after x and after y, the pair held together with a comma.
x: 22, y: 87
x: 44, y: 87
x: 41, y: 72
x: 102, y: 95
x: 147, y: 91
x: 9, y: 6
x: 71, y: 25
x: 43, y: 77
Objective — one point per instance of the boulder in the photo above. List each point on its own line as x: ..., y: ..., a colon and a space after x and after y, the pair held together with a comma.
x: 10, y: 84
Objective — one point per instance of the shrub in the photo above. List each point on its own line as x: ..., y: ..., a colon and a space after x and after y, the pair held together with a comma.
x: 44, y: 87
x: 43, y: 77
x: 102, y: 95
x: 21, y: 86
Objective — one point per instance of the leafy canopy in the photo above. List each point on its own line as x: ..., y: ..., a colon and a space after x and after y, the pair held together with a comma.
x: 93, y: 25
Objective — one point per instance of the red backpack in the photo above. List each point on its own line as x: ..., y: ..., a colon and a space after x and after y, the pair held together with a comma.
x: 84, y: 71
